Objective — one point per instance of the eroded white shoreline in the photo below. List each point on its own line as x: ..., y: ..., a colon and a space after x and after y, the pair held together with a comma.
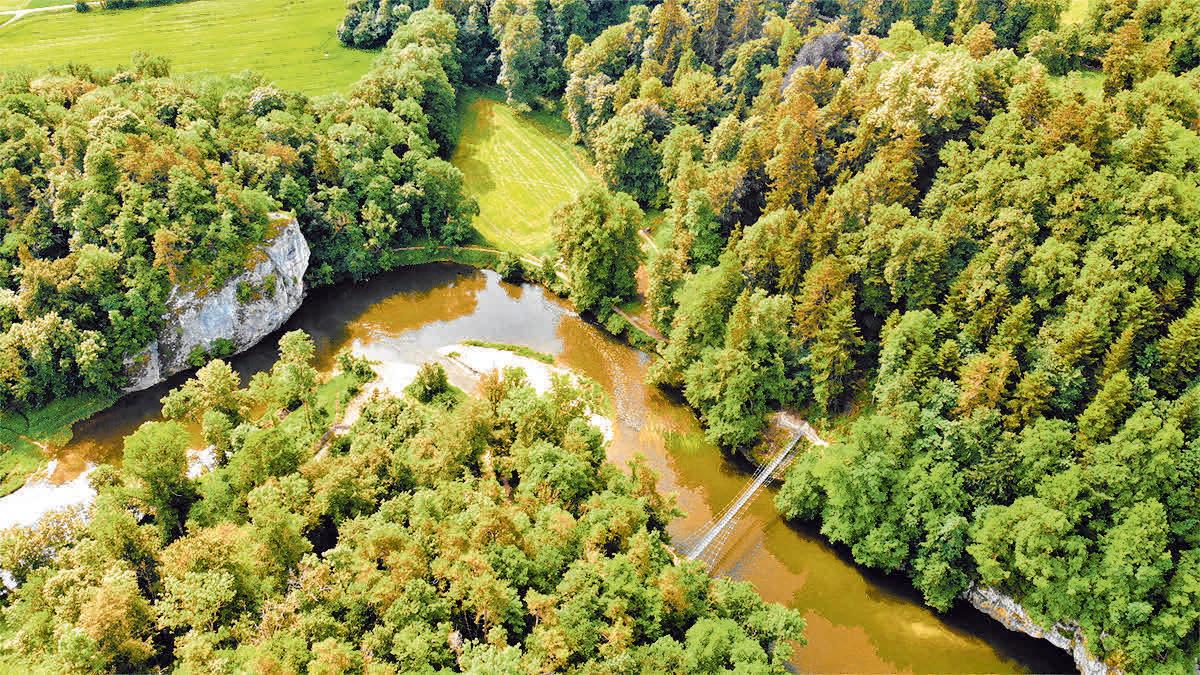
x: 25, y: 506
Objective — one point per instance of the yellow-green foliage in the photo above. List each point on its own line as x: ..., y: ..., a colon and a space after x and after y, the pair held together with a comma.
x: 521, y: 168
x: 291, y: 42
x: 519, y: 350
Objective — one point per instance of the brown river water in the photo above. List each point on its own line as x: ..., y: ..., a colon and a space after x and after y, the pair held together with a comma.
x: 858, y: 620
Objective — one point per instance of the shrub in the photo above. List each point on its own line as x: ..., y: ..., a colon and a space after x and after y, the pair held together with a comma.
x: 222, y: 347
x: 510, y: 268
x: 430, y: 382
x: 198, y: 356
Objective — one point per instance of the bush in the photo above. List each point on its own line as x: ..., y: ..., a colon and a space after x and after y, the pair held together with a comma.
x: 245, y: 292
x: 358, y: 367
x: 431, y: 381
x: 510, y: 268
x: 198, y: 356
x: 221, y: 348
x: 82, y: 7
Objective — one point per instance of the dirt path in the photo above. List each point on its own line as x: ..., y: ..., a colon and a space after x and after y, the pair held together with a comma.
x: 646, y: 238
x: 796, y: 423
x: 637, y: 323
x: 15, y: 14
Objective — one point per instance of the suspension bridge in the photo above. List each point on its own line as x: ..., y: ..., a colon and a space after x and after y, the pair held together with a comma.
x: 708, y: 543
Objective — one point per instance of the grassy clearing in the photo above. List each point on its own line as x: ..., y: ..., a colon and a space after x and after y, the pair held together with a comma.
x: 1076, y: 11
x: 519, y: 350
x: 521, y: 168
x: 291, y: 42
x: 1091, y: 82
x: 23, y: 436
x: 329, y: 399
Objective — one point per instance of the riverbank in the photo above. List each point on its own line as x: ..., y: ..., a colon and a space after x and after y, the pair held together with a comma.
x: 859, y: 620
x: 1013, y: 616
x: 540, y: 375
x: 28, y: 439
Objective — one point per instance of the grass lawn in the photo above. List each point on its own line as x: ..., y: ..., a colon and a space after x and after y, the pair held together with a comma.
x: 1076, y: 11
x: 6, y: 5
x: 1092, y: 83
x: 291, y: 42
x: 51, y: 425
x: 521, y: 168
x: 328, y: 395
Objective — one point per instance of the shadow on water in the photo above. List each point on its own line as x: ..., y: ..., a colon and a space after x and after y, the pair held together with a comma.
x: 1033, y: 654
x: 858, y: 620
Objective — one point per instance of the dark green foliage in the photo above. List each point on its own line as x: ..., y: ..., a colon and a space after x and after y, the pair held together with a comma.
x: 369, y: 23
x: 511, y: 268
x: 599, y: 248
x: 131, y: 4
x: 156, y: 458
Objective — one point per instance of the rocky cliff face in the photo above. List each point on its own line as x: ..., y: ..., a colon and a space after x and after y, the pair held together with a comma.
x: 1014, y: 617
x: 246, y: 309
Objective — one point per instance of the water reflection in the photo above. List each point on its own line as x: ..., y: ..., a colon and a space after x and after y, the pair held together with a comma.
x: 858, y: 620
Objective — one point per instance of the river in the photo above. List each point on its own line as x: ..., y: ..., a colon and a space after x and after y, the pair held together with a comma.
x: 858, y: 620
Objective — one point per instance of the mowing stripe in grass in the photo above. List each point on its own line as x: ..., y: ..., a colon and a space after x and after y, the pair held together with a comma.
x: 521, y: 169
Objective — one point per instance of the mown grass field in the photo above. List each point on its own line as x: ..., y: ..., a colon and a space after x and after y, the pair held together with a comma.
x: 291, y: 42
x: 521, y: 168
x: 6, y: 5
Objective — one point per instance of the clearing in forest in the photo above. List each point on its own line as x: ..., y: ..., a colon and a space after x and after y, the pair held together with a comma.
x: 1076, y: 11
x: 521, y: 168
x: 291, y: 42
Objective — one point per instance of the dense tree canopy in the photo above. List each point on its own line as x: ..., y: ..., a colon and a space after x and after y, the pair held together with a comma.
x: 598, y: 244
x: 481, y: 535
x: 964, y: 230
x: 115, y: 187
x: 991, y: 265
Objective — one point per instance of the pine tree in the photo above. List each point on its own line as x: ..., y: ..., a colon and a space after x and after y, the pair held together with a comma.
x: 1122, y: 60
x: 1104, y: 415
x: 1179, y: 352
x: 1150, y: 151
x: 835, y: 349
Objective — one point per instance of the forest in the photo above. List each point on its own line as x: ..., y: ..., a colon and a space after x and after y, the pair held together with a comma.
x: 482, y: 534
x: 959, y: 235
x: 910, y: 223
x: 114, y: 187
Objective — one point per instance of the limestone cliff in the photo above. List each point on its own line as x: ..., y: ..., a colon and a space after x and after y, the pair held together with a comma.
x: 1014, y: 617
x: 246, y: 309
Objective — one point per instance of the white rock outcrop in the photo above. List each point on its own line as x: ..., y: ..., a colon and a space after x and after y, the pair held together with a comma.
x: 1014, y: 617
x: 274, y: 286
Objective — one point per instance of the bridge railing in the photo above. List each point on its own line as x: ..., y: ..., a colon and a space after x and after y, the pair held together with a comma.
x: 708, y: 543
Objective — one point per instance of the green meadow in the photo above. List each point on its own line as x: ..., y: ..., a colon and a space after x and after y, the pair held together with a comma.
x: 521, y: 168
x: 291, y: 42
x: 1076, y: 11
x: 6, y: 5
